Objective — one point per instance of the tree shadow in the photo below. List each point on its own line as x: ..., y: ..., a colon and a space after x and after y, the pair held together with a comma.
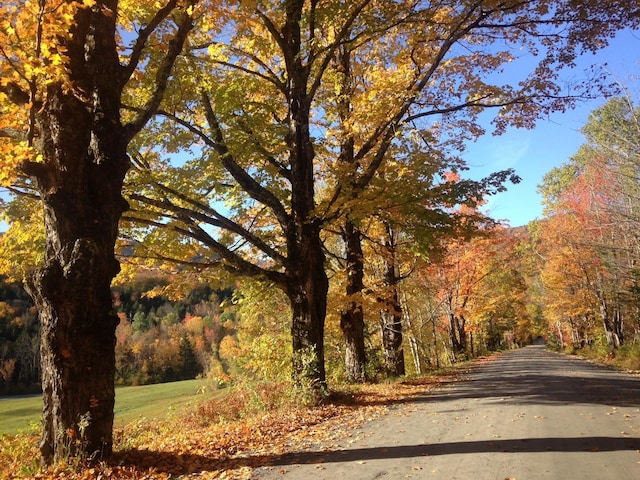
x: 522, y: 377
x: 185, y: 464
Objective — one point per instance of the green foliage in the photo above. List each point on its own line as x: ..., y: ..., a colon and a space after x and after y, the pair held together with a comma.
x: 189, y: 364
x: 262, y: 348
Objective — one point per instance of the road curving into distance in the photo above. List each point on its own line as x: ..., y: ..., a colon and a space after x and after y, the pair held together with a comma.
x: 526, y: 414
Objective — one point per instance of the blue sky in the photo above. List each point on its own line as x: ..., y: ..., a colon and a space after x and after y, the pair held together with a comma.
x: 532, y: 153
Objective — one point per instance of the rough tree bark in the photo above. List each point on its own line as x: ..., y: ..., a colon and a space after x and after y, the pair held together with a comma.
x: 458, y: 336
x: 84, y: 148
x: 352, y: 315
x: 83, y: 144
x: 307, y: 282
x: 307, y: 287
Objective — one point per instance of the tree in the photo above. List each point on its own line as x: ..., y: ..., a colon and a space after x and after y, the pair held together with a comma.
x: 259, y: 107
x: 592, y: 202
x: 498, y: 303
x: 570, y: 265
x: 64, y: 141
x: 390, y: 308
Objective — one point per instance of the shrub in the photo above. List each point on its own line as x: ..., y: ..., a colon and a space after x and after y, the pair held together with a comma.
x: 245, y: 400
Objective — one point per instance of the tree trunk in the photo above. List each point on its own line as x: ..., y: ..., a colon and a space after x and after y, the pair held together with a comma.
x: 80, y: 185
x: 352, y: 316
x: 415, y: 346
x: 83, y: 146
x: 391, y: 313
x: 457, y: 336
x: 435, y: 341
x: 608, y: 324
x: 560, y: 334
x: 307, y: 291
x: 415, y: 353
x: 307, y: 282
x: 391, y: 322
x: 75, y: 125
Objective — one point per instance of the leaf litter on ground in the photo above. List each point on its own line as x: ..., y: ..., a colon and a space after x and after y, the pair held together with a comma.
x: 184, y: 446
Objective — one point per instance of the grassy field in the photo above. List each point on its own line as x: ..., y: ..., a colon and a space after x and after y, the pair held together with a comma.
x: 132, y: 403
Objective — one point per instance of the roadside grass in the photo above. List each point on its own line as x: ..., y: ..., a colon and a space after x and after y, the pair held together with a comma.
x: 626, y: 357
x: 132, y: 404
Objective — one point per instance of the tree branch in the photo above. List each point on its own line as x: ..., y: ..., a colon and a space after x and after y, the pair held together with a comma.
x: 185, y: 24
x: 229, y: 260
x: 253, y: 188
x: 211, y: 217
x: 15, y: 94
x: 142, y: 39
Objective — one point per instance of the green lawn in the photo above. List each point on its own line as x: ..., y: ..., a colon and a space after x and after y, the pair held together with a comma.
x: 132, y: 403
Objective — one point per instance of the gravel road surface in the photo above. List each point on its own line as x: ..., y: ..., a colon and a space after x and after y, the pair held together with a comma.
x: 527, y: 414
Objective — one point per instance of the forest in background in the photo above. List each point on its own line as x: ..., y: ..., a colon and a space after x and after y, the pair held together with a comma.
x: 158, y: 340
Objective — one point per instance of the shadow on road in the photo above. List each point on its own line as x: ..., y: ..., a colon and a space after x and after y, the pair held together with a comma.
x: 528, y: 445
x: 182, y: 464
x: 523, y: 377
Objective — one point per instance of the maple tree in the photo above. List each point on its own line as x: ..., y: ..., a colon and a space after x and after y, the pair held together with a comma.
x: 65, y: 68
x: 498, y: 304
x: 470, y: 281
x: 288, y: 111
x: 566, y: 275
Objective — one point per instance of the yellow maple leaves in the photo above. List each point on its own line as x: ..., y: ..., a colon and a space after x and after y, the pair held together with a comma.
x: 32, y: 56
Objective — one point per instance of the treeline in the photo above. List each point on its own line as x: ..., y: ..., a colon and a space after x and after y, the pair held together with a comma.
x: 19, y: 341
x: 468, y: 300
x: 587, y: 247
x: 158, y: 340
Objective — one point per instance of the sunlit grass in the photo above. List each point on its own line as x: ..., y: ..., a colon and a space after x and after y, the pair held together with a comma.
x: 132, y: 403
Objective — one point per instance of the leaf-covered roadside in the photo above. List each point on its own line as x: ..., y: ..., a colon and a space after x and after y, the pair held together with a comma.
x: 183, y: 446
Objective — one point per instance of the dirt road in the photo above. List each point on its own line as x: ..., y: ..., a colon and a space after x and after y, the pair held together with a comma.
x: 529, y: 414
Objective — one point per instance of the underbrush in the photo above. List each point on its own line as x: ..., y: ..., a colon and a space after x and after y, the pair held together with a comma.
x: 626, y: 357
x: 246, y: 399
